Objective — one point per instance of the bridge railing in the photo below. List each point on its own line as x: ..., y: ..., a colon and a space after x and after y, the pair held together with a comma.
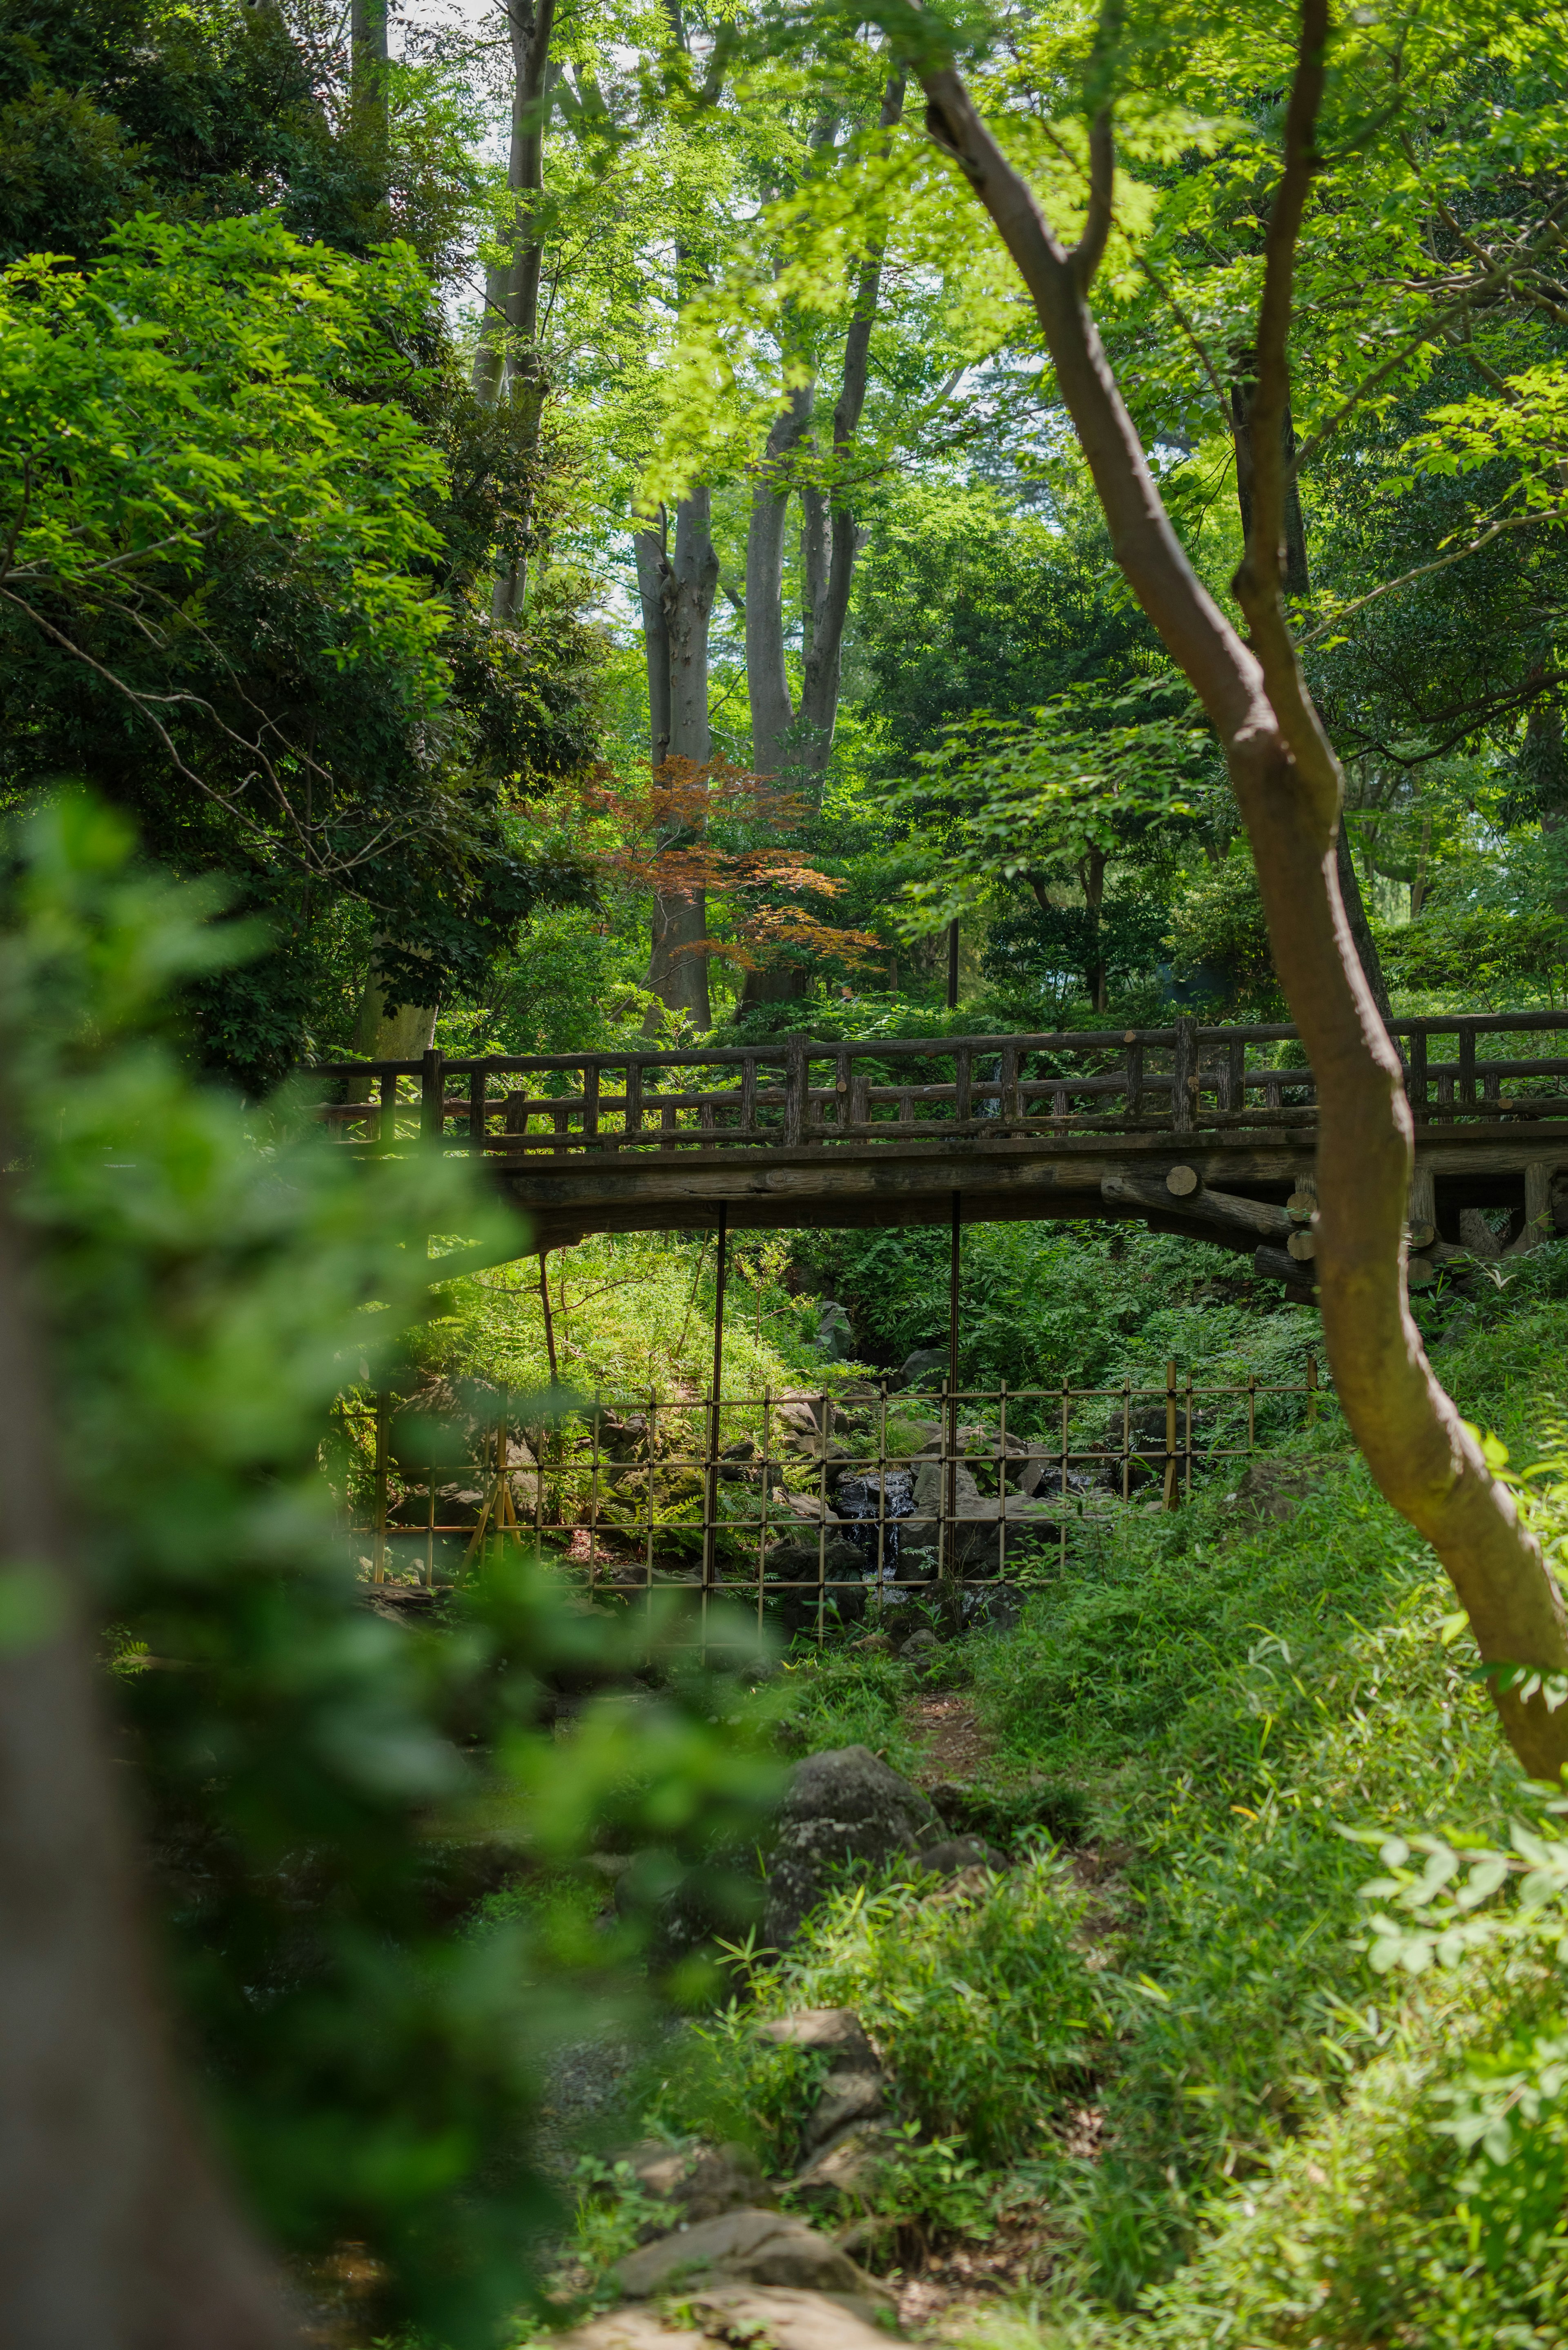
x: 803, y: 1093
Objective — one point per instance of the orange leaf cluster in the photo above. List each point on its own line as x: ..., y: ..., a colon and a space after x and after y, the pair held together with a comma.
x: 667, y: 843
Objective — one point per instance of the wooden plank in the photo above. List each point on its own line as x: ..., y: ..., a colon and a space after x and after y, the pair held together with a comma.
x: 1009, y: 1103
x: 1538, y: 1224
x: 1467, y: 1064
x: 749, y: 1095
x: 963, y: 1063
x: 796, y: 1075
x: 1202, y: 1206
x: 433, y: 1096
x: 476, y: 1113
x: 1135, y: 1076
x: 590, y: 1103
x: 1184, y: 1077
x: 1416, y: 1077
x: 633, y: 1097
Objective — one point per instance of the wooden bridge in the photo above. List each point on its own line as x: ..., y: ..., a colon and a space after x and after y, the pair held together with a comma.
x: 1206, y: 1132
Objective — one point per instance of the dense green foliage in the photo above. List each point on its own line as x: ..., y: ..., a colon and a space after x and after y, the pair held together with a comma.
x: 338, y: 633
x: 329, y: 1791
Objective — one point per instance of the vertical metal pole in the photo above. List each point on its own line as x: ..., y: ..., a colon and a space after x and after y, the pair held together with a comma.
x: 379, y: 1557
x: 549, y: 1323
x: 710, y: 1506
x: 1001, y: 1484
x: 952, y: 966
x: 947, y: 1552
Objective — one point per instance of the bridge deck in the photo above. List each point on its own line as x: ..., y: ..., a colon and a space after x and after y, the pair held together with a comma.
x: 886, y: 1130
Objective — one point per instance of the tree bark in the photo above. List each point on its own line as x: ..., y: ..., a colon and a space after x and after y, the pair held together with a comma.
x: 677, y: 969
x: 507, y: 355
x: 834, y: 538
x: 1092, y: 880
x: 367, y: 66
x: 651, y: 566
x: 767, y: 680
x: 115, y: 2228
x: 1297, y: 583
x: 1288, y: 785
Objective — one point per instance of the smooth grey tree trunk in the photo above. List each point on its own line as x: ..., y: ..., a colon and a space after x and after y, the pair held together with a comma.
x: 834, y: 538
x: 507, y: 357
x: 677, y: 968
x: 767, y: 678
x: 116, y: 2230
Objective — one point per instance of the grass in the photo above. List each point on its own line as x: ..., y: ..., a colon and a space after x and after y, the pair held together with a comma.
x: 1226, y: 1696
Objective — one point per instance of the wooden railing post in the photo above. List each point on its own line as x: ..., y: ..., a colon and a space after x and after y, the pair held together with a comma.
x: 1135, y: 1074
x: 1009, y: 1106
x: 634, y: 1096
x: 796, y: 1073
x: 477, y: 1083
x: 963, y: 1063
x: 591, y: 1102
x: 1184, y: 1076
x: 433, y: 1096
x: 1415, y: 1083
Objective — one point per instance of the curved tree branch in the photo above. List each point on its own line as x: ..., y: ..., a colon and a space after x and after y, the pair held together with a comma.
x: 1287, y: 783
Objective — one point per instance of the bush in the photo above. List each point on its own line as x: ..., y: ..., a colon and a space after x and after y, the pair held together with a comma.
x: 329, y: 1792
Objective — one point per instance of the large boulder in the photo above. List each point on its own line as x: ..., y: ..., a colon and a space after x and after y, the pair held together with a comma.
x: 741, y: 2247
x: 794, y: 1567
x: 842, y: 1806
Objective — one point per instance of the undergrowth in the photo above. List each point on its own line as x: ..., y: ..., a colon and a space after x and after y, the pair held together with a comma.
x: 1226, y: 1695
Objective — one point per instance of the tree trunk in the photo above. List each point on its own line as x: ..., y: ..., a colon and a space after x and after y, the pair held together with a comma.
x: 115, y: 2228
x: 767, y: 680
x: 678, y: 970
x: 651, y: 565
x: 1297, y: 584
x: 367, y: 67
x: 405, y: 1035
x: 1092, y: 880
x: 834, y: 539
x: 1288, y: 785
x: 507, y: 354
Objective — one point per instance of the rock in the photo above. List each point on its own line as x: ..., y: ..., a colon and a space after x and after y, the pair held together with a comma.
x: 844, y: 1805
x: 835, y: 1336
x: 977, y: 1531
x: 741, y: 2247
x: 956, y: 1853
x: 923, y: 1363
x: 703, y: 2182
x: 630, y: 2329
x: 794, y: 1565
x: 1001, y: 1606
x: 1275, y: 1490
x: 930, y: 1487
x: 845, y: 2098
x: 918, y: 1644
x: 837, y: 2028
x: 792, y: 2320
x: 782, y: 2315
x: 845, y: 2166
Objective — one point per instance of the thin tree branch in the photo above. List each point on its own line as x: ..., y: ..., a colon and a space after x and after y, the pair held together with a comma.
x: 1425, y: 570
